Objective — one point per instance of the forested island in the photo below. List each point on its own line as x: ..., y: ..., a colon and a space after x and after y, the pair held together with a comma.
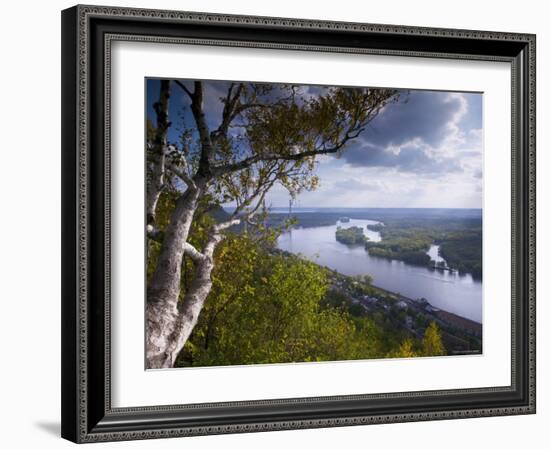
x: 409, y: 240
x: 351, y: 236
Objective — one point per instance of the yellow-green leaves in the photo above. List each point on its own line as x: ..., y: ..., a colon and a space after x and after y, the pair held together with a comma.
x: 432, y: 344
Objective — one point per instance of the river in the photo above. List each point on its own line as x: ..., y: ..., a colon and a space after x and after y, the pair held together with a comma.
x: 450, y: 291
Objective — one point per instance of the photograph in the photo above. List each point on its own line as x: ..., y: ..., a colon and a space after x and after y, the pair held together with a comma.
x: 289, y: 221
x: 298, y: 223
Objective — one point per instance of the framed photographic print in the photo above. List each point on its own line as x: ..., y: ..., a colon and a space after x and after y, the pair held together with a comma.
x: 281, y: 223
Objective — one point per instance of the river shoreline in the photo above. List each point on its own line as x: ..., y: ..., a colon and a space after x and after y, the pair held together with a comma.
x: 473, y: 326
x: 447, y: 290
x: 461, y: 336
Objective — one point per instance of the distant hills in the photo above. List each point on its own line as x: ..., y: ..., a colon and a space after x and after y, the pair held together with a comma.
x: 371, y: 212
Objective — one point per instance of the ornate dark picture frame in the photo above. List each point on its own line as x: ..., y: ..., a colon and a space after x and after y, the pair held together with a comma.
x: 87, y: 34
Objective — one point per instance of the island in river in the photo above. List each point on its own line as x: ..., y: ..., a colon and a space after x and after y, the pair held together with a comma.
x: 445, y: 237
x: 350, y: 236
x: 424, y: 263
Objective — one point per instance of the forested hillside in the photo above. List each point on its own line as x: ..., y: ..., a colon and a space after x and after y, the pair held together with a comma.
x: 267, y: 306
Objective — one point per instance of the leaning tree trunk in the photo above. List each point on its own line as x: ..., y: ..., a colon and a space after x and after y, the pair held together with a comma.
x: 161, y: 314
x: 191, y: 306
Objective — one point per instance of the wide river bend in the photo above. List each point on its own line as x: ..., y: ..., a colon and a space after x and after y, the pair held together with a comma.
x: 450, y: 291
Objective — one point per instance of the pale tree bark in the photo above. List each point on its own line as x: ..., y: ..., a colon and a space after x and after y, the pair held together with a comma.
x: 164, y: 321
x: 184, y: 317
x: 163, y: 290
x: 169, y: 322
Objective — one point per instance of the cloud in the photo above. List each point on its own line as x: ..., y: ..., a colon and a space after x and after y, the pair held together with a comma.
x: 426, y: 133
x: 354, y: 184
x: 424, y: 151
x: 412, y: 157
x: 429, y: 116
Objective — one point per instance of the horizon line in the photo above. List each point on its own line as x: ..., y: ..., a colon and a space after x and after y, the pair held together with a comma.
x: 365, y: 207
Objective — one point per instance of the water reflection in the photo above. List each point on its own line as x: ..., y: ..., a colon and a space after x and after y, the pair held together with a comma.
x: 433, y: 252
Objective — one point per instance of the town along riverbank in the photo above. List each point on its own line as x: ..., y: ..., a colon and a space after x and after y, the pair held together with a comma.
x: 407, y: 315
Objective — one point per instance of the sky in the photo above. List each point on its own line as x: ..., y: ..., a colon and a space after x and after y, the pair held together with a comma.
x: 426, y: 150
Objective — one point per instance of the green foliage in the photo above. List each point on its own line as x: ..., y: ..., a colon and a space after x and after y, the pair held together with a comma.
x: 463, y: 251
x: 406, y: 350
x: 150, y: 130
x: 409, y: 245
x: 411, y: 257
x: 205, y: 217
x: 165, y: 206
x: 350, y: 236
x: 274, y: 308
x: 336, y: 299
x: 367, y: 279
x: 267, y: 308
x: 409, y: 240
x: 432, y: 343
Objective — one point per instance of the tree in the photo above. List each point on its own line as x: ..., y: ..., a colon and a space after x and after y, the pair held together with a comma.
x: 406, y: 350
x: 266, y: 307
x: 432, y: 344
x: 367, y: 279
x: 267, y: 135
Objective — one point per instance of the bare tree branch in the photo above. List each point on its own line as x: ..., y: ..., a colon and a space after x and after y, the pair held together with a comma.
x: 218, y: 227
x: 254, y: 211
x: 228, y: 168
x: 229, y: 109
x: 207, y: 148
x: 187, y: 91
x: 182, y: 174
x: 193, y: 252
x: 202, y: 127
